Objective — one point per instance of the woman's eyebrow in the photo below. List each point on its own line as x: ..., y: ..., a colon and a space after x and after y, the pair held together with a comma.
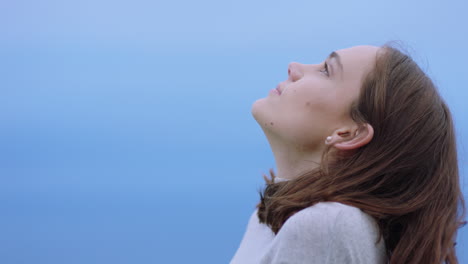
x: 335, y: 55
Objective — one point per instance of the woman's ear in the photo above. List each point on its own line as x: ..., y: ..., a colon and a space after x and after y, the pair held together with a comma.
x: 350, y: 139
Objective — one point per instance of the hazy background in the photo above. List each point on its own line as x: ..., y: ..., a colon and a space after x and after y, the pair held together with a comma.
x: 126, y: 133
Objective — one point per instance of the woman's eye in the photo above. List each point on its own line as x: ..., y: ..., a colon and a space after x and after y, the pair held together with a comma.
x: 325, y: 69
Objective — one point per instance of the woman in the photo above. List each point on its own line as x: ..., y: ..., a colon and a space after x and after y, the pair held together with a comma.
x: 366, y: 165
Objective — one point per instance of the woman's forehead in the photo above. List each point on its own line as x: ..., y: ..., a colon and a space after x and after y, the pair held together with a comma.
x: 357, y: 60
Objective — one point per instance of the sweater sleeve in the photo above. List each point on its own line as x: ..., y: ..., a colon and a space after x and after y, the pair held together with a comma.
x: 328, y: 233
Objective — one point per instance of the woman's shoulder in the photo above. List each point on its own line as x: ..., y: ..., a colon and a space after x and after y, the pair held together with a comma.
x: 330, y: 211
x: 328, y: 232
x: 327, y: 219
x: 325, y: 214
x: 333, y: 220
x: 340, y: 233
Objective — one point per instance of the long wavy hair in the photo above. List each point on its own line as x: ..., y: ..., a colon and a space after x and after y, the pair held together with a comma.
x: 406, y: 177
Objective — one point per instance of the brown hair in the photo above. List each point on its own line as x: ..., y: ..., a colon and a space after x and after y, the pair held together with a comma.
x: 406, y: 177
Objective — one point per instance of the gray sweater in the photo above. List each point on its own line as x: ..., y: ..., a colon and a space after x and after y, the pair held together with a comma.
x: 325, y: 233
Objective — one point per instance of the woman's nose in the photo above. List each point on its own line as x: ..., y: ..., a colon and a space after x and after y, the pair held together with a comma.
x: 295, y: 71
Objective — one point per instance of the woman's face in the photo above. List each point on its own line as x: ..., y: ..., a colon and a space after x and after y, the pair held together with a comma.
x: 315, y: 100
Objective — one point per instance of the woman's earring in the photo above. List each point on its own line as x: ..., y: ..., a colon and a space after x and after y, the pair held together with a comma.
x: 327, y: 141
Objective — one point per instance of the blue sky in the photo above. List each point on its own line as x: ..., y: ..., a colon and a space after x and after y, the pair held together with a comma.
x: 126, y: 130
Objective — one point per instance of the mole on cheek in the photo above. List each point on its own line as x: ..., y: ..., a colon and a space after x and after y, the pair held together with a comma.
x: 308, y: 104
x: 271, y: 123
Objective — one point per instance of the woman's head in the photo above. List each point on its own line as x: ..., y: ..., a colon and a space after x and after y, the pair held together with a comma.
x: 315, y: 101
x: 405, y: 176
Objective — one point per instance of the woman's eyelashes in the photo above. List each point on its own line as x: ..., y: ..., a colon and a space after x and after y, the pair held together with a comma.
x: 325, y: 69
